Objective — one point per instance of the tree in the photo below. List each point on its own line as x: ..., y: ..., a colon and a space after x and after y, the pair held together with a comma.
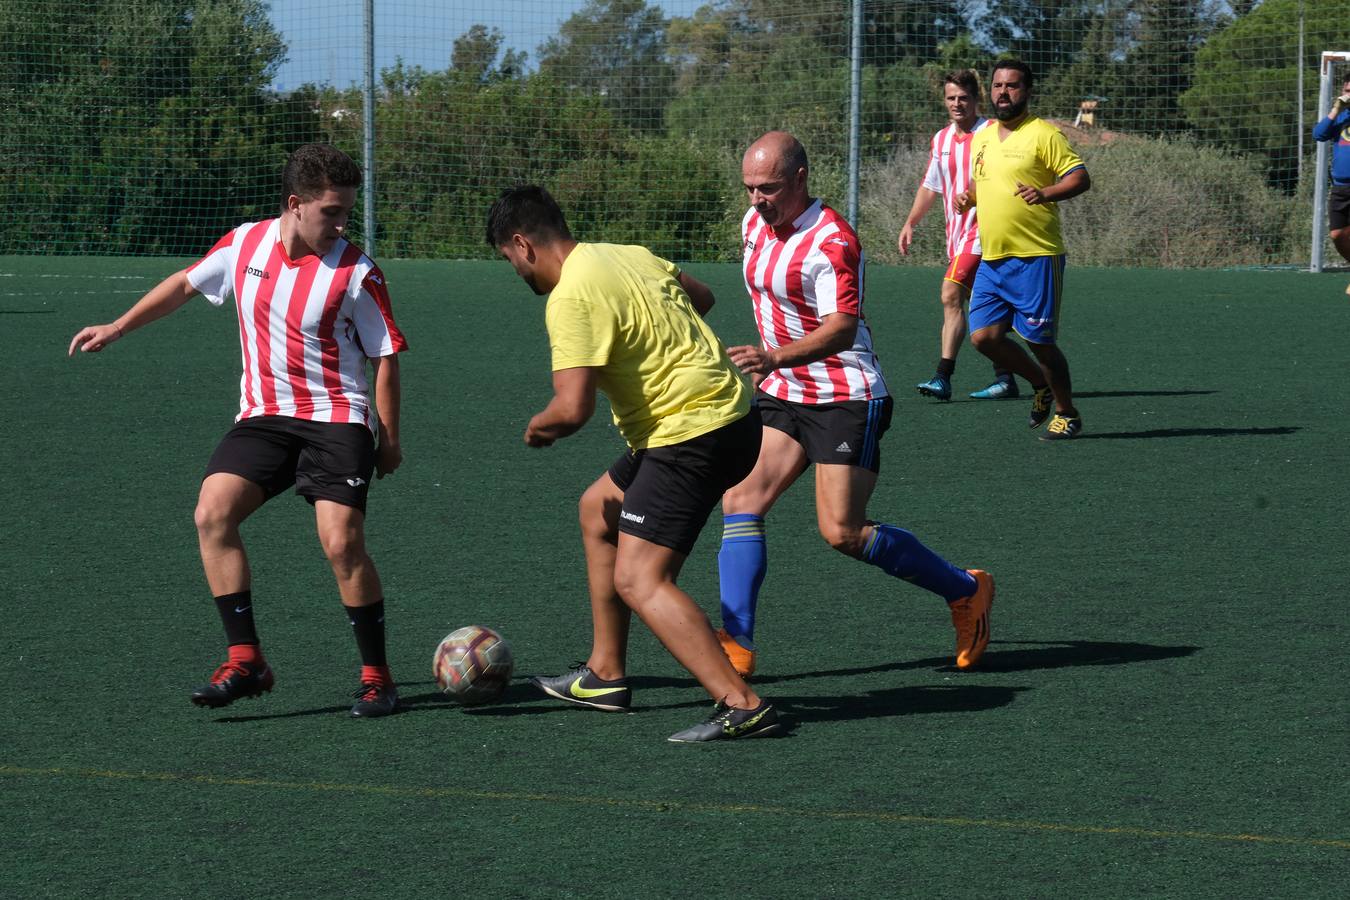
x: 1243, y: 93
x: 617, y: 50
x: 475, y: 55
x: 142, y: 127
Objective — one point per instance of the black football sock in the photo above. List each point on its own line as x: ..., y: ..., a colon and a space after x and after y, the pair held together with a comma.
x: 368, y: 627
x: 946, y: 367
x: 236, y: 614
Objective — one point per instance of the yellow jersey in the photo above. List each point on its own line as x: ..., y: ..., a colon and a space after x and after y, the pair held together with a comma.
x: 1035, y: 153
x: 621, y: 309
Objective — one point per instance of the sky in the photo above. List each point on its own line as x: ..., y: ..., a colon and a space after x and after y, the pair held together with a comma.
x: 325, y: 38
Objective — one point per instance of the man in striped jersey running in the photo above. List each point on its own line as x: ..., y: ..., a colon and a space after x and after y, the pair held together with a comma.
x: 313, y: 311
x: 823, y: 400
x: 947, y: 176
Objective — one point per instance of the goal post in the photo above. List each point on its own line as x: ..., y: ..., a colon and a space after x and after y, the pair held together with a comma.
x: 1334, y: 65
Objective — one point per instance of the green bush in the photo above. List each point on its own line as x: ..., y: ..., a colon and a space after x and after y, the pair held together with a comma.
x: 1154, y: 202
x: 1176, y: 203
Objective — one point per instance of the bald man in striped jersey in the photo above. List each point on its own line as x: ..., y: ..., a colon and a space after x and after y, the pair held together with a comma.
x: 313, y: 312
x: 823, y: 400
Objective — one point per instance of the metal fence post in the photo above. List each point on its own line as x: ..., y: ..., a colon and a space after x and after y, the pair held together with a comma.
x: 1320, y: 169
x: 855, y: 113
x: 368, y: 129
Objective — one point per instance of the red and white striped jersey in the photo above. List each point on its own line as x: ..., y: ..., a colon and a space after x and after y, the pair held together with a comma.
x: 796, y: 277
x: 949, y: 174
x: 306, y: 327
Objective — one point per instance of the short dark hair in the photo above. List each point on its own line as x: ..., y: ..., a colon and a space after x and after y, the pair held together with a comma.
x: 965, y: 79
x: 1016, y: 65
x: 314, y: 168
x: 794, y: 158
x: 529, y: 210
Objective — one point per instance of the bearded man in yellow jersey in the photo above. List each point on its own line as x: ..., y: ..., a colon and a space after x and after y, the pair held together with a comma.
x: 626, y: 322
x: 1021, y: 171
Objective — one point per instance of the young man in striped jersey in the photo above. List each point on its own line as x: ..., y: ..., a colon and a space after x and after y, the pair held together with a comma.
x: 948, y: 175
x: 313, y: 311
x: 823, y: 400
x: 626, y: 322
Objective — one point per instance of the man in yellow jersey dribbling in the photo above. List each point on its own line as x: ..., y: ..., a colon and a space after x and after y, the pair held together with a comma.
x: 626, y: 322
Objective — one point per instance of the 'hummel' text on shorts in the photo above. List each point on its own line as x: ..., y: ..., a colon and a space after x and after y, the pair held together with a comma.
x: 669, y: 492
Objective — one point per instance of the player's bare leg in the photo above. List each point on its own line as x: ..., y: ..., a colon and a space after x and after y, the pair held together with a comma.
x: 223, y: 503
x: 1056, y: 369
x: 742, y: 565
x: 598, y: 512
x: 644, y: 574
x: 842, y: 493
x: 1003, y: 352
x: 781, y: 462
x: 342, y: 534
x: 1340, y: 239
x: 954, y: 297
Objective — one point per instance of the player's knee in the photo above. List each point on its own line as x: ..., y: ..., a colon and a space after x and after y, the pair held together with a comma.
x: 847, y: 539
x: 953, y: 297
x: 598, y: 514
x: 212, y: 518
x: 633, y: 583
x: 344, y: 547
x: 985, y: 340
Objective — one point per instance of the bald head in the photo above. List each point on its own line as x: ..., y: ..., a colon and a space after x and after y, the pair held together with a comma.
x: 780, y: 150
x: 774, y: 172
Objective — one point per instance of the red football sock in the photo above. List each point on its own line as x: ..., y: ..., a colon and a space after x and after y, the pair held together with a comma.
x: 377, y: 675
x: 245, y: 653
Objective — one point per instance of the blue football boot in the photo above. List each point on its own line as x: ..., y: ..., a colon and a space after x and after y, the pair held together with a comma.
x: 939, y: 388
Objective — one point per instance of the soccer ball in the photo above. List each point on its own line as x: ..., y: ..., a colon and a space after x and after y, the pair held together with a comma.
x: 473, y: 665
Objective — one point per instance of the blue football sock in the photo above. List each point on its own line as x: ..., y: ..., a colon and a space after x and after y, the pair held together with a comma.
x: 741, y: 564
x: 899, y: 553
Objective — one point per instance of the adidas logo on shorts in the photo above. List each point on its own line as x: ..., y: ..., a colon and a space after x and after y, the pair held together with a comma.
x: 843, y: 448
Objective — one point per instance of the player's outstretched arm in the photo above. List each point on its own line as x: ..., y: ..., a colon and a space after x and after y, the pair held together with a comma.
x: 388, y: 400
x: 923, y: 202
x: 162, y: 299
x: 572, y: 406
x: 699, y: 293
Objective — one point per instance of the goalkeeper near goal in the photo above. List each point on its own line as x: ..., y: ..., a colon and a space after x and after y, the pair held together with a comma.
x: 1336, y: 128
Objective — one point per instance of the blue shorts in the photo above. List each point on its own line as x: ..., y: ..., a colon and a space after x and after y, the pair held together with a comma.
x: 1023, y: 291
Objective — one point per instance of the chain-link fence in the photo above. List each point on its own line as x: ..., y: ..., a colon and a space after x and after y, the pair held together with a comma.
x: 152, y: 126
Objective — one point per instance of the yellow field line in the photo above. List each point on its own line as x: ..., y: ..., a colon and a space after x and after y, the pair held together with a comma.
x: 669, y: 806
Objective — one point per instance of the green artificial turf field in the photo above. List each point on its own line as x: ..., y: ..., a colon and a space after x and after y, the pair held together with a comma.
x: 1163, y: 709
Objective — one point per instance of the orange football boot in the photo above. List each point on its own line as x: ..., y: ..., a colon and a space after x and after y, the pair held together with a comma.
x: 970, y: 616
x: 742, y: 660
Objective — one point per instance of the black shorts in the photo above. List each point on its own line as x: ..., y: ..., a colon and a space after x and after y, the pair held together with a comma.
x: 846, y: 433
x: 324, y: 460
x: 1338, y: 206
x: 669, y: 492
